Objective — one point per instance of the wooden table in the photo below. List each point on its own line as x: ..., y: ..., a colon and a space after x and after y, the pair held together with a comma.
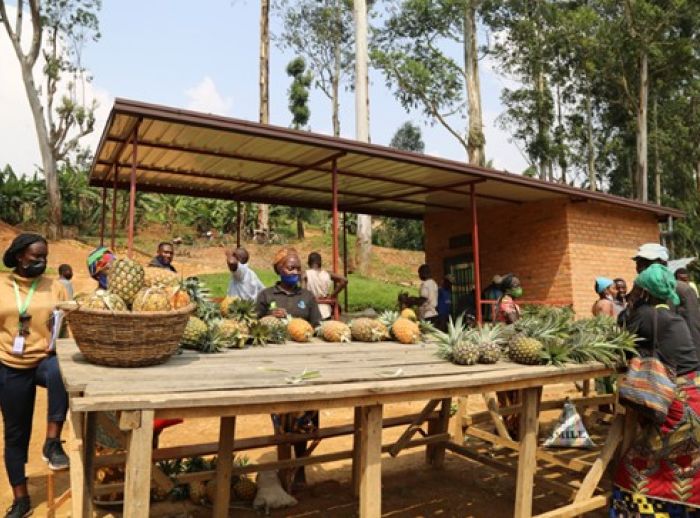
x: 265, y: 380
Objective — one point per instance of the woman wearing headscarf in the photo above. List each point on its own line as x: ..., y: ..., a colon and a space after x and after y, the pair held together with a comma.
x: 288, y: 298
x: 507, y: 310
x: 659, y: 474
x: 98, y: 264
x: 605, y: 305
x: 27, y: 300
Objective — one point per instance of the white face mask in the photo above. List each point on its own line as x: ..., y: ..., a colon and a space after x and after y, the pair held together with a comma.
x: 243, y: 268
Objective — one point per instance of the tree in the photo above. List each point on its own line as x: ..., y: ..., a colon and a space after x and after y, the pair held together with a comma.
x: 409, y: 138
x: 411, y: 51
x: 263, y: 209
x: 59, y: 31
x: 363, y: 245
x: 399, y: 232
x: 322, y: 32
x: 299, y: 92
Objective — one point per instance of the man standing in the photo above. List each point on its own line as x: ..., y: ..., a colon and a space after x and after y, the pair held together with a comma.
x: 164, y: 259
x: 65, y: 274
x: 319, y: 282
x: 244, y: 282
x: 620, y: 301
x: 682, y: 274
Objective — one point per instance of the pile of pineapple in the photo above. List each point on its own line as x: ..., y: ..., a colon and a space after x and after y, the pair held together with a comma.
x: 135, y: 288
x: 243, y: 488
x: 543, y: 336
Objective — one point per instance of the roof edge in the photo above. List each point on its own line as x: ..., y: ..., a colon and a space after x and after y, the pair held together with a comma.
x: 178, y: 115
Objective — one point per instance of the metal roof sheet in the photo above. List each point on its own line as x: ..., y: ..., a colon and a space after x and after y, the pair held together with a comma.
x: 198, y: 154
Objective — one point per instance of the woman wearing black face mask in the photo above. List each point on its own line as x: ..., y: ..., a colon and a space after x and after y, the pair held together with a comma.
x: 27, y: 298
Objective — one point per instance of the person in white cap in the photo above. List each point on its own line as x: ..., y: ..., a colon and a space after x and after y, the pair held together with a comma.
x: 689, y: 307
x: 650, y: 253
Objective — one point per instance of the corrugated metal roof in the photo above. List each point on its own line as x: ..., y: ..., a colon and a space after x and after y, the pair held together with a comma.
x: 198, y: 154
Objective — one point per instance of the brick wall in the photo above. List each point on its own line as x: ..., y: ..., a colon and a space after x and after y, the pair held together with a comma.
x: 602, y: 240
x: 556, y: 247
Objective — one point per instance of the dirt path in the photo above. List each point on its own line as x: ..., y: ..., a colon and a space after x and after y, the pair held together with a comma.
x: 410, y: 487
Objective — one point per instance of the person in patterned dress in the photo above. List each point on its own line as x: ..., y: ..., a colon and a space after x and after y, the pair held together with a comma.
x: 659, y: 476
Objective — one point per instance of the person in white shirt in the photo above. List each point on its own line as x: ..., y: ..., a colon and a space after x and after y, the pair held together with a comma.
x: 65, y: 274
x: 427, y: 309
x: 322, y: 284
x: 244, y: 283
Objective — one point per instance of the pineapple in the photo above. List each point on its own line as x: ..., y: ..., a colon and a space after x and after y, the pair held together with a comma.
x: 103, y: 299
x: 300, y: 330
x: 125, y: 279
x: 197, y: 492
x: 239, y: 309
x: 409, y: 314
x: 276, y: 327
x: 490, y: 338
x: 195, y: 331
x: 524, y: 349
x: 245, y: 489
x: 179, y: 298
x: 367, y: 330
x: 388, y: 318
x: 234, y: 332
x: 259, y: 334
x: 335, y: 331
x: 160, y: 277
x: 225, y: 304
x: 380, y: 329
x: 457, y: 344
x: 200, y: 296
x: 152, y: 299
x: 200, y: 337
x: 406, y: 331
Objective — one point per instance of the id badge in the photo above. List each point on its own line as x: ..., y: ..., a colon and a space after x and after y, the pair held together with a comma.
x: 18, y: 346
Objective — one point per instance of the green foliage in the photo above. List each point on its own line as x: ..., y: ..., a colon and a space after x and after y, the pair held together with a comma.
x: 299, y: 92
x: 412, y: 49
x: 409, y: 138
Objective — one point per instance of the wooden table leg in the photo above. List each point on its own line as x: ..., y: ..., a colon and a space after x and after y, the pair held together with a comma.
x: 371, y: 462
x: 356, y: 451
x: 527, y: 456
x: 80, y: 502
x: 137, y: 485
x: 435, y: 453
x: 89, y: 455
x: 491, y: 400
x: 458, y: 420
x: 224, y: 466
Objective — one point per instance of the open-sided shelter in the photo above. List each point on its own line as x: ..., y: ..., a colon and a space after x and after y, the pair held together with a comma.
x: 478, y: 222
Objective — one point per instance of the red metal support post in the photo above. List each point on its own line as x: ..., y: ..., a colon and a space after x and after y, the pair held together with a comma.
x: 104, y: 215
x: 345, y: 258
x: 334, y: 187
x: 475, y: 253
x: 114, y: 208
x: 132, y: 194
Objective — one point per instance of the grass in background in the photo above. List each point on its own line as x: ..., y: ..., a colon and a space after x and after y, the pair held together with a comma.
x: 363, y: 293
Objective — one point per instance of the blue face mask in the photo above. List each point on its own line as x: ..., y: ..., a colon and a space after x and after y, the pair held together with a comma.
x: 101, y: 279
x: 290, y: 280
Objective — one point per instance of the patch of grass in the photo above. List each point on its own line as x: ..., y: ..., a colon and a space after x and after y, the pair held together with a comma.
x: 363, y: 292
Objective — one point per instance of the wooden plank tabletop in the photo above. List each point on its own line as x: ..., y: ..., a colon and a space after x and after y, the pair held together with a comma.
x: 262, y: 375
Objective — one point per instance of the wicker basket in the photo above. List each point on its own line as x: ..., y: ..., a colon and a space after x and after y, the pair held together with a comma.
x: 125, y: 339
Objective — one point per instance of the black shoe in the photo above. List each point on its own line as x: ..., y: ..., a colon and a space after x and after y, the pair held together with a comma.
x: 20, y: 508
x: 53, y: 454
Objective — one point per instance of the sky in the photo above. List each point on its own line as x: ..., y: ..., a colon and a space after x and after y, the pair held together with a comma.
x: 204, y: 56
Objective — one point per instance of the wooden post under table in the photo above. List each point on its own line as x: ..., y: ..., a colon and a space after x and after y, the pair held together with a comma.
x: 527, y: 455
x: 371, y: 462
x: 80, y: 503
x: 137, y: 484
x: 435, y: 453
x: 224, y: 467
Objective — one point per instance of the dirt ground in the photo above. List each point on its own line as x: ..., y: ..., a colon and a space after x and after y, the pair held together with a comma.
x: 410, y: 488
